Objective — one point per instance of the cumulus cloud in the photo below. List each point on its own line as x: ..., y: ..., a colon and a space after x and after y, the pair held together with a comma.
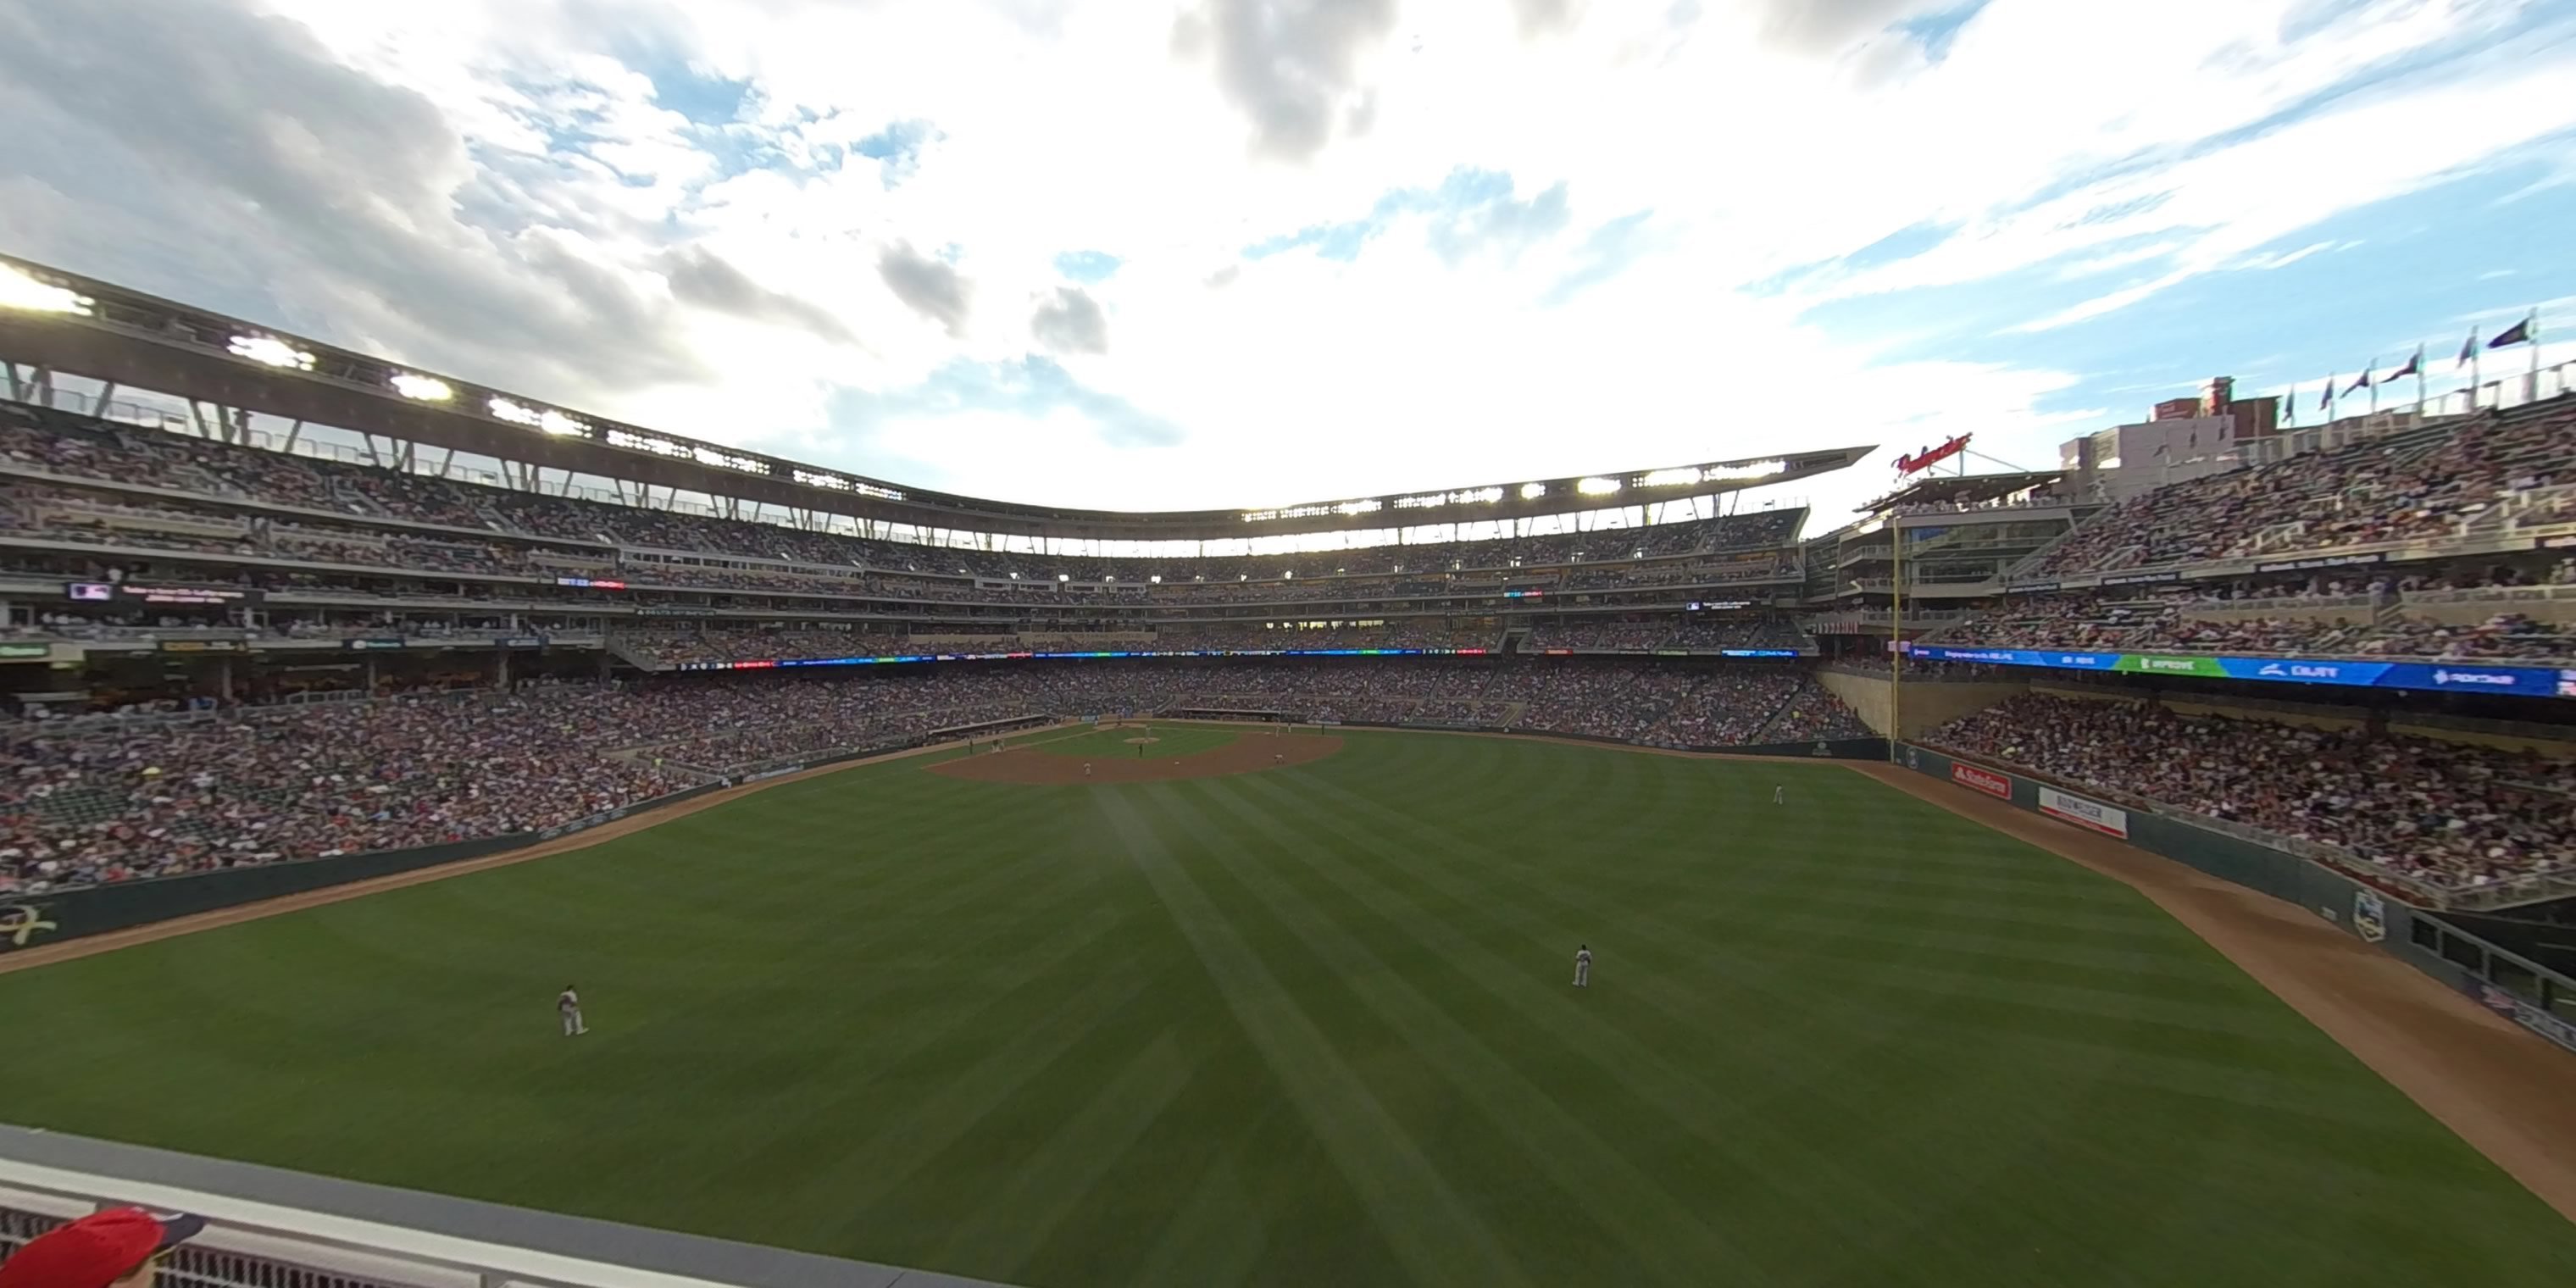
x: 1541, y: 17
x: 330, y: 197
x: 622, y: 208
x: 1826, y: 26
x: 931, y: 286
x: 1291, y: 67
x: 1070, y: 321
x: 702, y: 277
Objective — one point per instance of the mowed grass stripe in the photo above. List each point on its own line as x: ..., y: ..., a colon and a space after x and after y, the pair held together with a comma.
x: 1083, y: 1149
x: 1845, y: 1033
x: 1589, y: 1174
x: 1438, y: 1239
x: 1808, y: 1186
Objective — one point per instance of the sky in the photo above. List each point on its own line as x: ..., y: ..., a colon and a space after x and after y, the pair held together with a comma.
x: 1204, y: 253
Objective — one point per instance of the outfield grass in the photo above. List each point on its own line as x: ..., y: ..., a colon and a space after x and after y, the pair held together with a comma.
x: 1310, y: 1027
x: 1171, y: 742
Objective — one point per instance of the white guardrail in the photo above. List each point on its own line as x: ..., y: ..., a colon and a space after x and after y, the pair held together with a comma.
x: 258, y: 1245
x: 254, y: 1243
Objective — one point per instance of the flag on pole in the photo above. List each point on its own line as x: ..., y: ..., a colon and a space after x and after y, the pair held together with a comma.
x: 2325, y: 396
x: 2518, y: 333
x: 2468, y: 349
x: 2414, y: 367
x: 2360, y: 382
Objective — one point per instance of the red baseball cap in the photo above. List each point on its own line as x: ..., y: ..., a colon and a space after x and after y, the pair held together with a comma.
x: 98, y: 1249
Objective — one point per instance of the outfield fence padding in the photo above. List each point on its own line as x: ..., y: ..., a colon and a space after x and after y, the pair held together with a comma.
x: 2530, y: 994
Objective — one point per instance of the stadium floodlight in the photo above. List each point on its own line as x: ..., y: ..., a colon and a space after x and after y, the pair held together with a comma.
x: 421, y: 388
x: 1359, y: 507
x: 1682, y: 477
x: 20, y: 291
x: 1533, y: 491
x: 546, y: 421
x: 1597, y: 486
x: 1740, y: 473
x: 271, y: 352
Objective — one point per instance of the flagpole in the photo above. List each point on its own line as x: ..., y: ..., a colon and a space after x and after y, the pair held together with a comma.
x: 2531, y: 336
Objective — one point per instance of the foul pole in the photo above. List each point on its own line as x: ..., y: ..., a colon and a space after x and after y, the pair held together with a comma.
x: 1895, y: 635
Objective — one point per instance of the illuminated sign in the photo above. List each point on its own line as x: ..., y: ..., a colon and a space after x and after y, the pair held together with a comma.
x: 2436, y: 677
x: 1931, y: 456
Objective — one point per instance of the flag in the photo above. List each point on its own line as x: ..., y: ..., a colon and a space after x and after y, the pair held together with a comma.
x: 2468, y: 349
x: 2518, y: 333
x: 2414, y: 367
x: 2325, y: 396
x: 2360, y: 382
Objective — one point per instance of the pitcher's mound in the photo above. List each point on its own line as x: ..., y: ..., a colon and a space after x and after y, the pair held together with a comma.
x: 1241, y: 756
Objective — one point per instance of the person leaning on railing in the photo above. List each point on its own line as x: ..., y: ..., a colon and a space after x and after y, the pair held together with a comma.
x: 119, y: 1248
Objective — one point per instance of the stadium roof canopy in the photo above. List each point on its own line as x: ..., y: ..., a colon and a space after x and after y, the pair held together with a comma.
x: 64, y: 322
x: 1963, y: 489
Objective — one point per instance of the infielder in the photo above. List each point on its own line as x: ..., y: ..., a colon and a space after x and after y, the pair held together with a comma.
x: 1583, y: 965
x: 1086, y: 769
x: 569, y: 1006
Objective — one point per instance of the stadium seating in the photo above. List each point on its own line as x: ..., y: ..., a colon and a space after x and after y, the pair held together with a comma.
x: 2528, y: 615
x: 147, y: 794
x: 2420, y: 484
x: 2452, y: 815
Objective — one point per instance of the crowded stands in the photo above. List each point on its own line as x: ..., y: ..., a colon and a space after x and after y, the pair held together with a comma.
x: 2454, y: 815
x: 2427, y: 482
x: 187, y: 787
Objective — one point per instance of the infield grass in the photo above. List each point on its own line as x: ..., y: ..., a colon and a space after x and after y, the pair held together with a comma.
x: 1313, y: 1027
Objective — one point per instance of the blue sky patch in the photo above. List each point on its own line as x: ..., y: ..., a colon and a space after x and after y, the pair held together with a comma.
x: 1089, y: 267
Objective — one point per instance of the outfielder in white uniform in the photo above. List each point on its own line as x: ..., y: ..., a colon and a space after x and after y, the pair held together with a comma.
x: 1780, y: 795
x: 1583, y: 965
x: 569, y: 1006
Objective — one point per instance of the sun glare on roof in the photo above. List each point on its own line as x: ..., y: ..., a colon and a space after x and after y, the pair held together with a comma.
x: 19, y: 291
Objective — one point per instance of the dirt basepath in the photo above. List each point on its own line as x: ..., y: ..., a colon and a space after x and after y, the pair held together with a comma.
x: 1247, y: 754
x: 68, y: 950
x: 2507, y: 1092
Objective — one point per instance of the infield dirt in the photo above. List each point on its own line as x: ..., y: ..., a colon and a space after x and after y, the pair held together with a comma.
x: 1248, y: 754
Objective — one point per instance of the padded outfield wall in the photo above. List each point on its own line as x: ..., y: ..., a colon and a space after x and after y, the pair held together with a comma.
x: 2539, y: 999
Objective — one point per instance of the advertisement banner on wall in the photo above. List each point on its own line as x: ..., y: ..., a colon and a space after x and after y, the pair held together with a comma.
x: 2521, y: 1012
x: 2369, y: 915
x: 2091, y: 815
x: 1975, y: 779
x: 2427, y: 677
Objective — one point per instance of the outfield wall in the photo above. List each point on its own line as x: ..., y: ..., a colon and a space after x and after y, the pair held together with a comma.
x: 2539, y: 999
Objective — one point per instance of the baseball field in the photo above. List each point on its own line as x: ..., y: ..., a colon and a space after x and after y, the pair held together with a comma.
x: 1255, y: 1022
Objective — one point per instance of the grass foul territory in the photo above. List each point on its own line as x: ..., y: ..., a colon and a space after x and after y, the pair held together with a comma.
x: 1309, y: 1025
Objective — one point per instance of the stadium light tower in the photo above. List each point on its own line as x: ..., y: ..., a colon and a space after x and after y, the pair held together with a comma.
x: 20, y: 291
